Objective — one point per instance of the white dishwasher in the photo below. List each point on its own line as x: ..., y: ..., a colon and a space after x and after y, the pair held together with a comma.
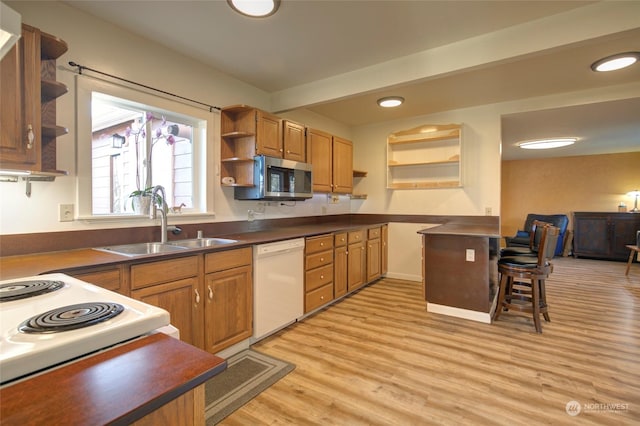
x: 278, y: 286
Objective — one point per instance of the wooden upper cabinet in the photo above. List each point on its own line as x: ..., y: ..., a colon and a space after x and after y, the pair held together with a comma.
x: 319, y: 154
x: 19, y: 111
x: 342, y: 166
x: 268, y: 134
x: 28, y: 93
x: 293, y: 140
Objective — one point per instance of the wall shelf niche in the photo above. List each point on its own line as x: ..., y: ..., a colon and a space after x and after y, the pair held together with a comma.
x: 426, y: 157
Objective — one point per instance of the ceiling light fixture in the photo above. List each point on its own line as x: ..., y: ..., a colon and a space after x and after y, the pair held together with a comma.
x: 547, y: 143
x: 255, y: 8
x: 616, y: 62
x: 390, y: 101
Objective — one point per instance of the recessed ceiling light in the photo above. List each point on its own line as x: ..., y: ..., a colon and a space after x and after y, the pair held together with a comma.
x: 616, y: 62
x: 390, y: 101
x: 255, y: 8
x: 547, y: 143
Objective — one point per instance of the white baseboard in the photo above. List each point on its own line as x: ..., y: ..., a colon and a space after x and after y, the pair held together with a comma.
x: 484, y: 317
x: 401, y: 276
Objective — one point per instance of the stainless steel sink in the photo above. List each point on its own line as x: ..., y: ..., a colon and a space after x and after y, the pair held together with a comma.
x: 140, y: 249
x: 202, y: 242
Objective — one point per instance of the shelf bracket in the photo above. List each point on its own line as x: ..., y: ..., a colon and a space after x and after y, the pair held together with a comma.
x: 30, y: 179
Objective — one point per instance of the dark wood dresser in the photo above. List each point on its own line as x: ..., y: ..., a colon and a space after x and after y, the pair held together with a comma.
x: 603, y: 235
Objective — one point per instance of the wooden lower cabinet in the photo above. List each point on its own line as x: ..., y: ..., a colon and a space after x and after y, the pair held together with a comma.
x: 318, y: 281
x: 187, y: 409
x: 384, y: 249
x: 356, y: 260
x: 228, y: 289
x: 604, y: 235
x: 374, y: 250
x: 178, y: 298
x: 114, y: 278
x: 340, y: 269
x: 172, y: 285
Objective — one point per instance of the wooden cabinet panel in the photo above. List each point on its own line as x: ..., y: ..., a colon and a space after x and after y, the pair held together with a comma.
x: 356, y: 236
x: 179, y: 299
x: 293, y: 139
x: 318, y: 259
x: 384, y: 250
x: 268, y: 134
x: 604, y: 235
x: 340, y: 239
x: 319, y: 243
x: 340, y: 270
x: 342, y: 166
x: 229, y: 307
x: 374, y: 268
x: 318, y: 297
x: 356, y: 263
x: 219, y: 261
x: 146, y: 274
x: 320, y: 154
x: 318, y: 277
x: 111, y: 278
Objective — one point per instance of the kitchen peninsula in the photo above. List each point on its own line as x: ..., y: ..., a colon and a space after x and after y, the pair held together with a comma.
x: 460, y: 273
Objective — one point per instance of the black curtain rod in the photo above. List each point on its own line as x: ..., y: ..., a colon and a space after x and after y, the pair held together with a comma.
x: 82, y: 67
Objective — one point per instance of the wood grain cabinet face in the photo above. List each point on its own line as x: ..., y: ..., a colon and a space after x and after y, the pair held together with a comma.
x: 268, y: 135
x: 332, y: 160
x: 111, y: 278
x: 28, y: 95
x: 173, y: 285
x: 356, y: 260
x: 604, y: 235
x: 319, y: 274
x: 293, y: 139
x: 228, y: 290
x: 374, y: 254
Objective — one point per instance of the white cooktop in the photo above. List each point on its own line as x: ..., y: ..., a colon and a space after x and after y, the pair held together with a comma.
x: 26, y: 353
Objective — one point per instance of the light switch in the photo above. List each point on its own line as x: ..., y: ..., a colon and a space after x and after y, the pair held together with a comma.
x: 65, y: 212
x: 471, y: 255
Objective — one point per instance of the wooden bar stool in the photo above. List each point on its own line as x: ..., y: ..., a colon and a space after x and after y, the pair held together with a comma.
x: 522, y: 280
x: 634, y: 251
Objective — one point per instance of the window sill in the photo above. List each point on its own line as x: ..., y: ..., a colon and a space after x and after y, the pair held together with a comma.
x: 131, y: 218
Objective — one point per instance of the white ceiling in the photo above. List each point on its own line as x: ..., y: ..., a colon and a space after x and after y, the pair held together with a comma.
x: 329, y: 56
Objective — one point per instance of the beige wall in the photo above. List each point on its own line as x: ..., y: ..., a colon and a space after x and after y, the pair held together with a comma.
x: 566, y: 184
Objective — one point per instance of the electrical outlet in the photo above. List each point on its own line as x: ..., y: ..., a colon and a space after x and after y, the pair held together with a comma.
x: 251, y: 215
x: 471, y: 255
x: 487, y: 211
x: 65, y: 212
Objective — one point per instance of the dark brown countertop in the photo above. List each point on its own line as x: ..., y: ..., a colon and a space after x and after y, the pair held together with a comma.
x: 122, y: 384
x: 473, y: 230
x: 18, y: 266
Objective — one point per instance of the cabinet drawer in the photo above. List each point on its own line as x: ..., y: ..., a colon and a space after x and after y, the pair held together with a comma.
x: 318, y: 297
x: 374, y: 233
x: 356, y: 236
x: 315, y: 260
x: 320, y: 243
x: 340, y: 239
x: 111, y: 279
x: 163, y: 271
x: 318, y: 277
x: 223, y: 260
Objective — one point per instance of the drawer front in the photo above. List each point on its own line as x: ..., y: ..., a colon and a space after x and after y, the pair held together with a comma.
x: 163, y: 271
x: 111, y: 279
x: 356, y: 236
x: 320, y: 243
x: 318, y: 259
x: 318, y: 277
x: 220, y: 261
x: 318, y: 297
x: 374, y: 233
x: 340, y: 239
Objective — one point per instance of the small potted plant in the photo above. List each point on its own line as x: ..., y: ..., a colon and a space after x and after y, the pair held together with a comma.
x: 141, y: 198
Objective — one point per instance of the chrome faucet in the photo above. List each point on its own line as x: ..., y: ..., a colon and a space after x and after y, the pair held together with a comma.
x: 163, y: 210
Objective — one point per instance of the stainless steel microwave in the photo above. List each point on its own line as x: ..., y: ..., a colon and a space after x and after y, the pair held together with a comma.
x: 277, y: 179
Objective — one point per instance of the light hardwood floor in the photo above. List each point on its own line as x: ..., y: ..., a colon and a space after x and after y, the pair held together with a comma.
x: 377, y: 358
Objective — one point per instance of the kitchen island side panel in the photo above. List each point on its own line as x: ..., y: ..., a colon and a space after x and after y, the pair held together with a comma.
x: 451, y: 279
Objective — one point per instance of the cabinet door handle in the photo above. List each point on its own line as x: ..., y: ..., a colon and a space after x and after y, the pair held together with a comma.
x: 30, y: 136
x: 210, y: 292
x: 197, y: 297
x: 322, y: 259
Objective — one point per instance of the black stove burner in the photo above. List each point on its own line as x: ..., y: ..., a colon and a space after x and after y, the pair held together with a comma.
x: 71, y: 317
x: 25, y: 289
